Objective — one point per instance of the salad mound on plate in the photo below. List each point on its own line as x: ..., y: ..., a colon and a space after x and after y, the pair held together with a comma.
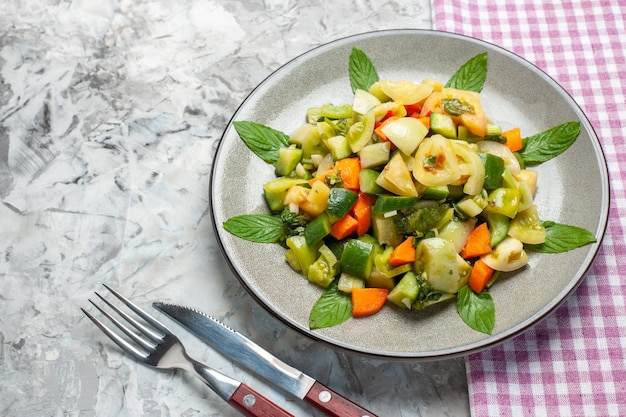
x: 410, y: 195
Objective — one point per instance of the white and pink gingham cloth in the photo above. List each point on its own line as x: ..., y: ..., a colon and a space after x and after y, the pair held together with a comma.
x: 574, y: 362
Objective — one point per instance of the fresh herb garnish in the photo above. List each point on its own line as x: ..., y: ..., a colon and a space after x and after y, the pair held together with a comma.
x: 332, y: 308
x: 478, y: 311
x: 361, y: 70
x: 470, y: 76
x: 550, y: 143
x: 260, y: 228
x: 455, y: 107
x: 262, y: 140
x: 562, y: 238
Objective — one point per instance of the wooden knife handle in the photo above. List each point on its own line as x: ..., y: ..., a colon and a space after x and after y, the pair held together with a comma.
x: 252, y: 404
x: 334, y: 404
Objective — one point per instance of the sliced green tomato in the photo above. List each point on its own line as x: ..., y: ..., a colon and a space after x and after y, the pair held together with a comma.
x: 507, y: 256
x: 332, y: 111
x: 304, y: 253
x: 386, y: 203
x: 473, y: 205
x: 467, y: 109
x: 377, y: 92
x: 339, y: 147
x: 406, y: 133
x: 527, y: 228
x: 405, y: 292
x: 357, y: 258
x: 471, y: 167
x: 396, y: 177
x: 381, y: 265
x: 340, y: 201
x: 322, y: 271
x: 360, y: 133
x: 405, y: 92
x: 435, y: 162
x: 503, y: 201
x: 275, y: 191
x: 364, y: 101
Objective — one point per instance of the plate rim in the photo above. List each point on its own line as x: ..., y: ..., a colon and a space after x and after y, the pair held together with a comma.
x: 446, y: 353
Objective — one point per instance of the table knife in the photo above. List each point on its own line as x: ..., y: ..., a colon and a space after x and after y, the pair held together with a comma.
x: 252, y: 356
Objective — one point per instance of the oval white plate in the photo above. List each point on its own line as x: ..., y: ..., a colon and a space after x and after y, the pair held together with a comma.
x: 573, y: 189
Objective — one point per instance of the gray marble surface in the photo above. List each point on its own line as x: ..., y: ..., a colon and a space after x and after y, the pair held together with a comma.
x: 110, y: 112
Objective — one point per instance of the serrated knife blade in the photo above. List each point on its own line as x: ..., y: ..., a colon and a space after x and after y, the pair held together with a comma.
x: 252, y: 356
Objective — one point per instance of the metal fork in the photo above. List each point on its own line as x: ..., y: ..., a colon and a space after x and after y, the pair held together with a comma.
x: 158, y: 347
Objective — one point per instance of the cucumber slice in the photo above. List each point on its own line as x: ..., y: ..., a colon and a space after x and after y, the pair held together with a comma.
x: 405, y: 292
x: 357, y: 258
x: 443, y: 125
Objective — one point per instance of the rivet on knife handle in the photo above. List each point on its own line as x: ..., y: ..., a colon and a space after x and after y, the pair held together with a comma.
x: 252, y: 404
x: 334, y: 404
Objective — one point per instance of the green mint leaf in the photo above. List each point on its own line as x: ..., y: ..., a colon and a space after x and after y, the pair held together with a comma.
x: 478, y: 311
x: 260, y: 228
x: 550, y: 143
x: 361, y: 70
x: 262, y: 140
x: 562, y: 238
x: 332, y: 308
x: 470, y: 76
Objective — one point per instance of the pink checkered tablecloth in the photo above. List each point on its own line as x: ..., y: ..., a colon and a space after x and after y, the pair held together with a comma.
x: 574, y: 362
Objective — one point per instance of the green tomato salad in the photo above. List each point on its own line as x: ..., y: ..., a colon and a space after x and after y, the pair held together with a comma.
x: 408, y: 196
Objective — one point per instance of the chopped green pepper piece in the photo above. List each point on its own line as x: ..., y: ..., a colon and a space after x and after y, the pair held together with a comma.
x: 322, y: 271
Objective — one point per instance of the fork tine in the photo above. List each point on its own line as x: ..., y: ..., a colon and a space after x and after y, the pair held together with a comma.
x: 142, y: 313
x: 149, y: 347
x: 132, y: 350
x: 150, y: 333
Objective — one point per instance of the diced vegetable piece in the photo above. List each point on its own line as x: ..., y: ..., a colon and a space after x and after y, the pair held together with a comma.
x: 316, y: 199
x: 435, y: 162
x: 364, y: 101
x: 405, y: 292
x: 275, y: 191
x: 383, y: 110
x: 527, y: 228
x: 427, y: 295
x: 440, y: 192
x: 403, y: 253
x: 288, y: 159
x: 465, y: 269
x: 503, y: 201
x: 349, y: 169
x: 396, y: 177
x: 360, y: 133
x: 385, y: 231
x: 498, y: 149
x: 498, y: 227
x: 508, y: 255
x: 437, y: 259
x: 382, y: 266
x: 313, y: 114
x: 357, y: 258
x: 443, y: 124
x: 513, y: 139
x: 421, y: 219
x: 305, y: 254
x: 406, y: 133
x: 362, y: 212
x: 317, y: 229
x: 368, y: 301
x: 405, y: 92
x: 494, y: 167
x: 339, y: 147
x: 367, y: 182
x: 478, y: 243
x: 322, y: 271
x: 340, y: 201
x: 377, y: 92
x: 432, y: 104
x: 348, y: 282
x: 387, y: 203
x: 457, y: 231
x: 480, y: 276
x: 332, y: 111
x: 344, y: 227
x: 529, y: 176
x: 375, y: 154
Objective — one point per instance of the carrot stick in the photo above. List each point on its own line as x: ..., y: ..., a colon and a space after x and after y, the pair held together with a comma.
x: 478, y: 243
x: 349, y: 169
x: 362, y: 211
x: 345, y: 227
x: 403, y: 253
x: 367, y: 301
x: 513, y: 139
x: 480, y: 276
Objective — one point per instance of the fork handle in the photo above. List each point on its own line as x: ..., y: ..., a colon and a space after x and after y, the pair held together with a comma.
x: 252, y: 404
